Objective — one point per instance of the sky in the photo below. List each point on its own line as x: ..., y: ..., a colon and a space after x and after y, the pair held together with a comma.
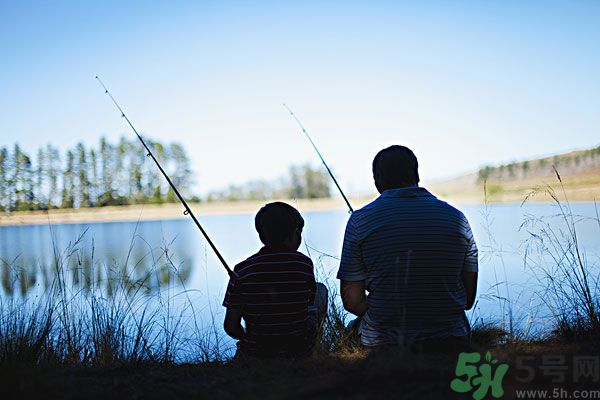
x: 462, y: 83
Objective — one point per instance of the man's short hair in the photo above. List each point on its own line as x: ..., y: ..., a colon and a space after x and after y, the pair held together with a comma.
x: 396, y: 166
x: 277, y: 221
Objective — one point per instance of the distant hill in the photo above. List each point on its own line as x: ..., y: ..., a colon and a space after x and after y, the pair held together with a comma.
x: 579, y: 171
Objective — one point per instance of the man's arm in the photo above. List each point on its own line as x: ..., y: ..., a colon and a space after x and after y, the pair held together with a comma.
x: 353, y: 273
x: 354, y: 297
x: 233, y: 323
x: 469, y: 280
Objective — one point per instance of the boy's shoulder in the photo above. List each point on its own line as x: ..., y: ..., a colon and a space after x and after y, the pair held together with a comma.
x: 262, y: 258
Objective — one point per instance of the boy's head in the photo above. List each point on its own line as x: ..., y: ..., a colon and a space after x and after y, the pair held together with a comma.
x: 279, y: 223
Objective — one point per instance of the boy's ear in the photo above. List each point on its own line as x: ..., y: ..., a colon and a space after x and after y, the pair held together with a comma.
x: 261, y: 237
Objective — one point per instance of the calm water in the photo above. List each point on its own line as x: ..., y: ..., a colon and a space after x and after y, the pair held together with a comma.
x: 170, y: 256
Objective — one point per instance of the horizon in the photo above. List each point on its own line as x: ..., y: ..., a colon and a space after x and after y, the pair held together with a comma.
x: 213, y: 77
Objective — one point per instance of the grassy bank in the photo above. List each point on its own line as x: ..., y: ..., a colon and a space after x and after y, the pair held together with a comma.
x: 454, y: 192
x: 359, y: 375
x: 162, y: 211
x: 132, y: 342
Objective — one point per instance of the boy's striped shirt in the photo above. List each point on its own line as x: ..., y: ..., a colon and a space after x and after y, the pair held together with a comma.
x: 274, y: 289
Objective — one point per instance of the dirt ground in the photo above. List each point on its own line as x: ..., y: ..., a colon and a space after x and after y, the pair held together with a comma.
x: 380, y: 374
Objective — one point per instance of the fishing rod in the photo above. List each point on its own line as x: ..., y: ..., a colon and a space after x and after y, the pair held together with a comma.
x: 188, y: 210
x: 350, y: 209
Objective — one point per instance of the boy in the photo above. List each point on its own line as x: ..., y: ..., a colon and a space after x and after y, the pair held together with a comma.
x: 274, y: 290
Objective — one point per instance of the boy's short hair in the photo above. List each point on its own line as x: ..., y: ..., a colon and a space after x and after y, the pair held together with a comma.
x: 277, y: 221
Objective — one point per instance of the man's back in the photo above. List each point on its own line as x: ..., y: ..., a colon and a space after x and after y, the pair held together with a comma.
x: 274, y: 289
x: 410, y: 249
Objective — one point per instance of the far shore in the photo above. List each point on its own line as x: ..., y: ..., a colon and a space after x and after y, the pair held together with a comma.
x: 149, y: 212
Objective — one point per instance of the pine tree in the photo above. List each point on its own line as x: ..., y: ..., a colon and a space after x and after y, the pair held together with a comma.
x: 26, y: 184
x: 68, y: 182
x: 83, y: 182
x: 181, y: 170
x: 40, y: 171
x: 94, y: 183
x: 4, y: 186
x: 52, y: 172
x: 106, y: 159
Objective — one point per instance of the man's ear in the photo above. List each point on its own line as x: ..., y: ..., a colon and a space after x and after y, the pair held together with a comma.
x: 378, y: 184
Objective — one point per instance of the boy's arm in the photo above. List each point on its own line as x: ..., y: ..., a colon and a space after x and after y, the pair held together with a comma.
x: 233, y: 323
x: 233, y: 302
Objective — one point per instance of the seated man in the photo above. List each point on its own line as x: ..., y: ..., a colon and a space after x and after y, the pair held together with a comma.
x: 416, y: 257
x: 274, y: 290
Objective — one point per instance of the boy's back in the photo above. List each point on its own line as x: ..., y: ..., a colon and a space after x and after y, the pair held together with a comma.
x: 273, y: 291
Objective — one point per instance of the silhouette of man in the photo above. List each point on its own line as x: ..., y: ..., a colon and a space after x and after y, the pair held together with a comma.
x: 415, y: 256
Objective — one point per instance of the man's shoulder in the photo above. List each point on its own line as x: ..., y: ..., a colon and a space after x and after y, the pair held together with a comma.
x: 382, y: 206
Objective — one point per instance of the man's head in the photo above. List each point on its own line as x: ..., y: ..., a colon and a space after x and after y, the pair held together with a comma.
x: 395, y: 167
x: 279, y: 224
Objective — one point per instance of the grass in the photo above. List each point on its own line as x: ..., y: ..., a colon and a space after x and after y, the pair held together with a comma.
x: 570, y: 278
x: 118, y: 334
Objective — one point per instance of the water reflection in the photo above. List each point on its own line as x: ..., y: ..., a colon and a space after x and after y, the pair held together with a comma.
x: 34, y: 258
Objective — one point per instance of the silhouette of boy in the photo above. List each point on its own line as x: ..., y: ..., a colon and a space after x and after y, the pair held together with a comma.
x: 274, y: 291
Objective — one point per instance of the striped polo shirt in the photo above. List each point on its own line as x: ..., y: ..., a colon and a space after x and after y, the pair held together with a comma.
x: 274, y: 289
x: 410, y: 249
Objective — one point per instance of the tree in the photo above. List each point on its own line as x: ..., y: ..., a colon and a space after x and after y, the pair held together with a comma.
x: 316, y: 183
x: 4, y: 181
x: 154, y: 180
x: 68, y: 182
x: 83, y: 194
x: 107, y: 187
x: 106, y: 175
x: 296, y: 189
x: 52, y: 172
x: 94, y: 183
x: 40, y: 171
x: 22, y: 180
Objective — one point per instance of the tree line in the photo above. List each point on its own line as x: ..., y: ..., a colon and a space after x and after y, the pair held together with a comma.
x: 580, y: 161
x: 102, y: 175
x: 301, y: 182
x: 119, y: 173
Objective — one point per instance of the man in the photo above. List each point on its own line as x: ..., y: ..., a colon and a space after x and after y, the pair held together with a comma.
x: 415, y: 256
x: 275, y: 291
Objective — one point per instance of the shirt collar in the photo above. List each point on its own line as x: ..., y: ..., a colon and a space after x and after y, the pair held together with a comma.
x: 270, y: 249
x: 408, y: 191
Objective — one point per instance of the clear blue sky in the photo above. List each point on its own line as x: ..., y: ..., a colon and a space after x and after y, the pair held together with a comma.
x: 462, y: 83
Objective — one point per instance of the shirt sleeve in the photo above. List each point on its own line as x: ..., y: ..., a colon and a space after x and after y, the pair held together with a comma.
x: 471, y: 257
x: 352, y: 268
x: 233, y: 296
x: 312, y: 286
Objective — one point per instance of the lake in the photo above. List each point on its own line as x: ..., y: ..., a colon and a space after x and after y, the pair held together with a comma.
x: 171, y: 259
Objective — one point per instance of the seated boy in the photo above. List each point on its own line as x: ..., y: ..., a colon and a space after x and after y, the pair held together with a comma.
x: 274, y: 290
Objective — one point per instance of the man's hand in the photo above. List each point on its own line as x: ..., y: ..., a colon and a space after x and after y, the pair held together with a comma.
x: 469, y: 280
x: 233, y: 323
x: 354, y: 297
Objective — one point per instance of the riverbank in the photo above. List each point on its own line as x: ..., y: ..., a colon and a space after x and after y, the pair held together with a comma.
x: 358, y: 374
x: 149, y: 212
